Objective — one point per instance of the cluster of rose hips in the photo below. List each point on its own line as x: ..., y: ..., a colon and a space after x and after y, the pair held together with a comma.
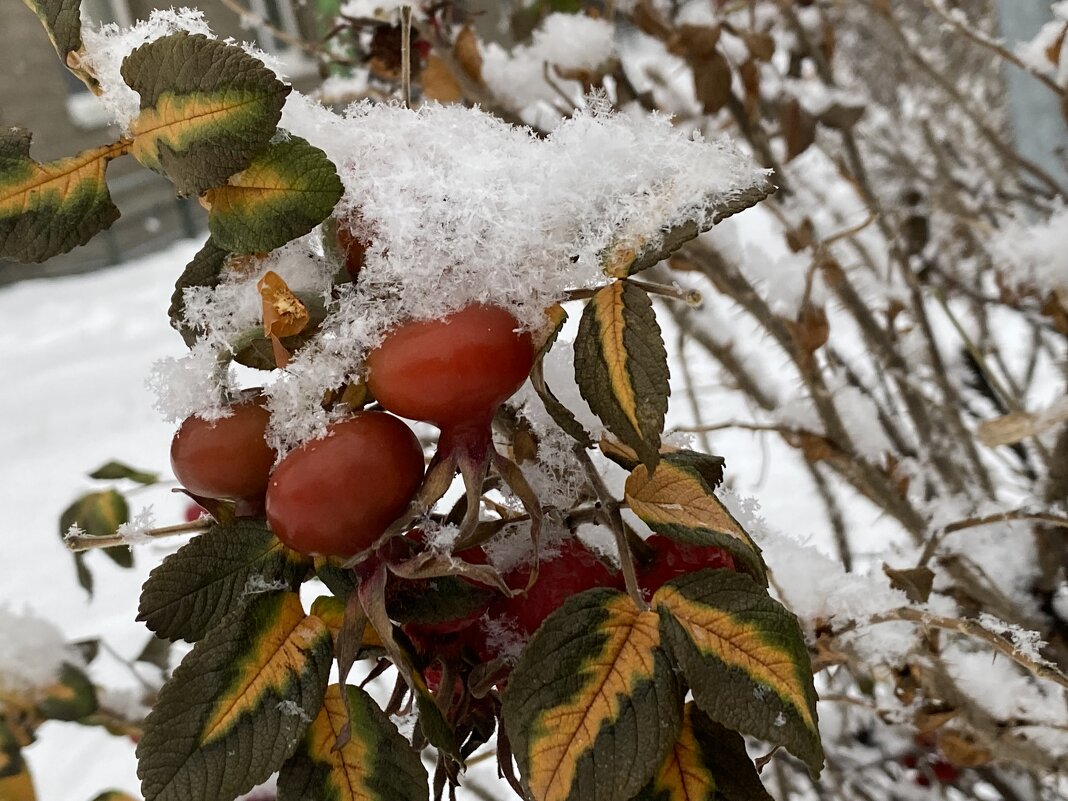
x: 338, y: 495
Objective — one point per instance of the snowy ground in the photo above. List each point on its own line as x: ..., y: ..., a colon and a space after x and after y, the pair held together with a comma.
x: 76, y: 352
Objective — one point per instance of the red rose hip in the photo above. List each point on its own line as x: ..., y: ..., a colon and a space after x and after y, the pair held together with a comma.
x: 336, y: 496
x: 226, y: 458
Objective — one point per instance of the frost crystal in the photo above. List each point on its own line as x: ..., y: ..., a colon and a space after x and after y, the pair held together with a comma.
x: 1027, y: 643
x: 135, y: 530
x: 293, y: 709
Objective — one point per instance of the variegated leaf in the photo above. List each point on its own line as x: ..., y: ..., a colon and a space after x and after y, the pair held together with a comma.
x: 593, y: 704
x: 376, y: 763
x: 744, y: 657
x: 621, y: 367
x: 677, y: 500
x: 288, y: 189
x: 48, y: 209
x: 236, y: 708
x: 207, y: 109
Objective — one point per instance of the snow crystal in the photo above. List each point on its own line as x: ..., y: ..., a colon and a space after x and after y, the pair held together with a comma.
x: 135, y: 531
x: 74, y: 532
x: 1026, y: 643
x: 293, y: 709
x: 503, y: 637
x: 107, y: 46
x: 33, y: 653
x: 257, y: 585
x: 462, y: 208
x: 192, y: 384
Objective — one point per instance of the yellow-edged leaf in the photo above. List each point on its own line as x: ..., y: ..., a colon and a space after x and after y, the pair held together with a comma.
x: 239, y: 703
x: 744, y: 657
x: 375, y: 763
x: 593, y: 704
x: 621, y: 366
x: 47, y: 209
x: 677, y: 500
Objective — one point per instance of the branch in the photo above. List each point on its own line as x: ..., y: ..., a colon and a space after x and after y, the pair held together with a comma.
x: 971, y: 628
x: 85, y: 542
x: 975, y: 522
x: 990, y: 44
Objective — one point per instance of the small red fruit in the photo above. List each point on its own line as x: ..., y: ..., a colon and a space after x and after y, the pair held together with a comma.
x: 574, y: 570
x: 454, y: 371
x: 227, y: 458
x: 672, y: 559
x: 335, y: 496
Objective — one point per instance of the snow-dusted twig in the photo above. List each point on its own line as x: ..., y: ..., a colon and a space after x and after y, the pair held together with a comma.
x: 936, y: 539
x: 973, y: 629
x: 85, y: 542
x: 995, y: 47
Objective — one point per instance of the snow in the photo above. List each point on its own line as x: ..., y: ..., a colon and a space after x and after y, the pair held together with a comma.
x: 107, y: 46
x: 33, y: 653
x: 1036, y: 253
x: 563, y: 43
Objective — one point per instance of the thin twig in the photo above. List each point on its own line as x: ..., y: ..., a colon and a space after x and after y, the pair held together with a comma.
x: 85, y: 542
x: 996, y: 47
x: 406, y: 55
x: 975, y: 522
x: 972, y: 629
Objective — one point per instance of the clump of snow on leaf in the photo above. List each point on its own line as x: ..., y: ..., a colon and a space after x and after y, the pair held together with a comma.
x: 1047, y: 52
x: 33, y: 653
x: 563, y: 44
x: 461, y: 208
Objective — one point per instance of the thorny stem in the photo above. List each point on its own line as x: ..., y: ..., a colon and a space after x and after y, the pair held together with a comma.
x: 85, y: 542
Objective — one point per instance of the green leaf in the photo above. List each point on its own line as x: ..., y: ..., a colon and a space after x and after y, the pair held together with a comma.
x: 593, y: 705
x: 48, y: 209
x: 744, y: 658
x: 237, y: 706
x: 376, y: 762
x: 206, y: 269
x: 72, y: 697
x: 288, y: 189
x: 707, y: 762
x: 678, y: 501
x: 63, y: 23
x: 99, y: 514
x: 207, y: 109
x: 117, y: 470
x: 621, y: 367
x: 207, y: 578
